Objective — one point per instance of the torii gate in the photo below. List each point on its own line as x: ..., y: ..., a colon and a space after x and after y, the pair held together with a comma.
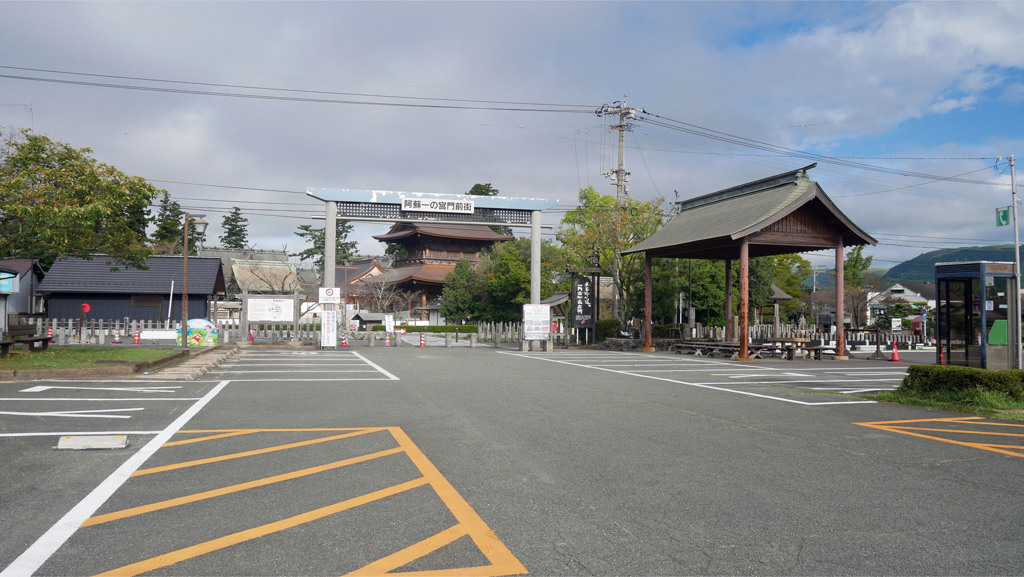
x: 782, y: 214
x: 394, y: 206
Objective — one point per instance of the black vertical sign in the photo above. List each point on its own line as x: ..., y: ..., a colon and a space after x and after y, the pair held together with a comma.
x: 583, y: 302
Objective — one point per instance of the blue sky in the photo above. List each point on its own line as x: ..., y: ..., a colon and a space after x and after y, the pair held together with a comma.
x: 935, y: 88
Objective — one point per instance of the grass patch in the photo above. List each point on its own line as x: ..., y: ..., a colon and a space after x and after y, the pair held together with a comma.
x: 989, y: 393
x: 79, y: 357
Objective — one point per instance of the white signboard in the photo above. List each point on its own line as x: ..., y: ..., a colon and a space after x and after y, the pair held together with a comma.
x: 389, y: 323
x: 329, y: 328
x: 330, y: 296
x: 271, y: 310
x: 537, y: 322
x: 431, y: 205
x: 897, y: 325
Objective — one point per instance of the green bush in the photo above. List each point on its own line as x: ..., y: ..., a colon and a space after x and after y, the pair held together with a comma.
x: 607, y: 329
x: 961, y: 383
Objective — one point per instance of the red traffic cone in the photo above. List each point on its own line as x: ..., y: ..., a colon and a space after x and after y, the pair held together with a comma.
x: 117, y: 336
x: 344, y: 340
x: 423, y: 343
x: 895, y: 354
x: 387, y: 339
x: 135, y: 340
x: 942, y: 355
x: 49, y: 332
x: 252, y: 337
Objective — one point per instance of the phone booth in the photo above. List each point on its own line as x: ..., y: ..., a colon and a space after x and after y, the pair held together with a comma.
x: 975, y: 314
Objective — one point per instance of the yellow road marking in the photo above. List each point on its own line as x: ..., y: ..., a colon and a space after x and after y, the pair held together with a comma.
x: 469, y: 523
x: 897, y: 427
x: 142, y: 509
x: 261, y: 531
x: 210, y: 437
x: 209, y: 460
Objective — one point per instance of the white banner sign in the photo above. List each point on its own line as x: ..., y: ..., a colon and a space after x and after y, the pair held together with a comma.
x: 272, y: 310
x: 329, y: 328
x: 389, y: 323
x: 428, y: 205
x: 330, y: 296
x: 537, y: 322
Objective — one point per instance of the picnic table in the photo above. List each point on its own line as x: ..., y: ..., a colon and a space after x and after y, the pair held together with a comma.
x: 710, y: 348
x: 790, y: 346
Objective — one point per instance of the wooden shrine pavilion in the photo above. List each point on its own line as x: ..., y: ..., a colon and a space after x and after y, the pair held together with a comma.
x: 782, y: 214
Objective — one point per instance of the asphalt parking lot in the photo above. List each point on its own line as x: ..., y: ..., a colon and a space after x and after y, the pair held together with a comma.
x: 495, y: 462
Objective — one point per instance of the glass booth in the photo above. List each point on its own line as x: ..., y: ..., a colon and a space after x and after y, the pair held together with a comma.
x: 974, y: 309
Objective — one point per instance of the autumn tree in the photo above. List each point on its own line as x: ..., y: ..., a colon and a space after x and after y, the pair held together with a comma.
x: 56, y: 201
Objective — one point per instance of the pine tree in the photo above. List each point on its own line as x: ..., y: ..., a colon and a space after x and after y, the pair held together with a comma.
x: 235, y: 230
x: 169, y: 219
x: 345, y: 249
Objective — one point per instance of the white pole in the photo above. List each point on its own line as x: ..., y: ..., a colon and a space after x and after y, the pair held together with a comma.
x: 170, y: 302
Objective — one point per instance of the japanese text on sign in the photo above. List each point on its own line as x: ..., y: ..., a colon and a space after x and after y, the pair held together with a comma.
x: 583, y: 303
x: 427, y: 205
x: 537, y: 322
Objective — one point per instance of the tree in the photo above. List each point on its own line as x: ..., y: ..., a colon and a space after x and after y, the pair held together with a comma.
x: 169, y: 236
x: 345, y: 249
x: 858, y: 283
x: 791, y: 271
x: 464, y: 294
x: 596, y: 226
x: 488, y: 190
x: 235, y: 230
x: 483, y: 190
x: 56, y: 201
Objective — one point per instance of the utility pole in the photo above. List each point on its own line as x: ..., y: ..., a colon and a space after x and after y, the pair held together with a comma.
x: 1019, y: 359
x: 620, y: 178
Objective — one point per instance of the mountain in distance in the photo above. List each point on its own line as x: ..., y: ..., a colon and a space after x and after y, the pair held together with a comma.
x: 921, y: 268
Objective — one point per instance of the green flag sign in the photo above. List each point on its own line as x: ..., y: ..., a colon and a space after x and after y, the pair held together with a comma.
x: 1003, y: 216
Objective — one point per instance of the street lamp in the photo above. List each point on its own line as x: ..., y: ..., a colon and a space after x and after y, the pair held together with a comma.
x: 200, y: 225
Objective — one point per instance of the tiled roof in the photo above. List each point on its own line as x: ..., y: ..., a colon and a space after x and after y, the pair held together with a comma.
x: 72, y: 275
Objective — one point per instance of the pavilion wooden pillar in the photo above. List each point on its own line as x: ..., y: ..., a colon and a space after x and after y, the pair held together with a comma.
x: 840, y: 304
x: 648, y: 299
x: 744, y: 300
x: 728, y: 301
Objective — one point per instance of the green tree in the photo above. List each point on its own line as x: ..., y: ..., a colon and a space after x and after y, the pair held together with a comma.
x: 169, y: 236
x: 483, y: 190
x: 464, y: 294
x: 596, y: 226
x: 791, y: 272
x: 56, y: 200
x: 345, y: 249
x: 488, y: 190
x: 235, y: 227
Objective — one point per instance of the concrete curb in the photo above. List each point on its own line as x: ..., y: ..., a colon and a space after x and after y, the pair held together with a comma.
x: 181, y: 366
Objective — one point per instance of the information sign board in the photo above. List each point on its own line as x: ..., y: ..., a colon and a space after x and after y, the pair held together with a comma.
x: 271, y: 310
x: 537, y: 322
x: 437, y: 205
x: 389, y: 323
x: 329, y: 329
x: 897, y: 325
x: 583, y: 302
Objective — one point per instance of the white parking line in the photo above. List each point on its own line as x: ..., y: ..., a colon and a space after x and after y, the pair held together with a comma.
x: 33, y: 558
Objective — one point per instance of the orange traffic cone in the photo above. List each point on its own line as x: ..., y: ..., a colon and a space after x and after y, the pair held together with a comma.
x: 49, y: 332
x: 895, y: 354
x: 135, y: 341
x: 117, y: 336
x: 423, y: 343
x: 942, y: 355
x: 252, y: 337
x: 387, y: 339
x: 344, y: 340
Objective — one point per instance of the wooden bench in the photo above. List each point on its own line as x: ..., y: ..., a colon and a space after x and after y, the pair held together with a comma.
x: 5, y: 348
x: 710, y: 348
x: 25, y: 335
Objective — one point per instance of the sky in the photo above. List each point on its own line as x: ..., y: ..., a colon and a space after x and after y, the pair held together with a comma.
x: 905, y: 107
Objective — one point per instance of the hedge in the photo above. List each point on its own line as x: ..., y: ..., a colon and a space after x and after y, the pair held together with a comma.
x: 923, y: 380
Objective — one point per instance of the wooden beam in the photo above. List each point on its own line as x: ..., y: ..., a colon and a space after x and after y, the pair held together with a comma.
x: 744, y: 301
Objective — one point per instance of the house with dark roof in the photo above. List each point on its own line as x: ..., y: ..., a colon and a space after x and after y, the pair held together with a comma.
x: 115, y: 293
x: 23, y: 300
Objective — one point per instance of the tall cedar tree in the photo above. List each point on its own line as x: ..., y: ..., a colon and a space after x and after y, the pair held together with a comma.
x: 235, y: 227
x: 345, y: 249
